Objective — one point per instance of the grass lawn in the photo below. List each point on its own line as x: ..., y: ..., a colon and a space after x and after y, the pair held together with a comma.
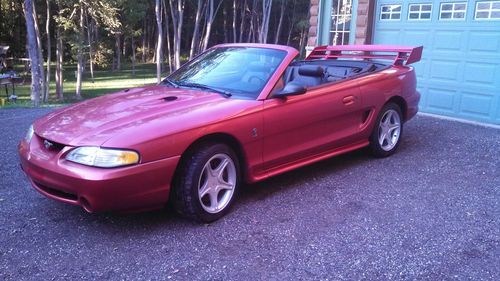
x: 105, y: 81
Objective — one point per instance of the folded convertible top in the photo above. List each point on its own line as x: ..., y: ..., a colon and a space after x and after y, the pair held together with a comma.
x: 398, y: 54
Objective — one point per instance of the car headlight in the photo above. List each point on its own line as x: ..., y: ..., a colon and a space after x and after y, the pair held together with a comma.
x: 102, y: 157
x: 29, y: 134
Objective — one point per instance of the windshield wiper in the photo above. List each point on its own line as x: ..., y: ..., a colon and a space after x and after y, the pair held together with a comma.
x: 205, y: 87
x: 171, y: 83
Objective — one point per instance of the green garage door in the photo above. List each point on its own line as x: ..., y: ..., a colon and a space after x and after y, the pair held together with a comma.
x: 459, y: 75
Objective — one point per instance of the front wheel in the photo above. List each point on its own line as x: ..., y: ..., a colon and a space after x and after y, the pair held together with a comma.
x: 386, y: 134
x: 207, y: 182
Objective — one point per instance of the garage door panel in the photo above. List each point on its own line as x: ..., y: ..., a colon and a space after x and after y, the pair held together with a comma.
x: 448, y: 40
x: 417, y: 37
x: 389, y: 36
x: 459, y: 74
x: 476, y: 104
x: 441, y: 99
x: 442, y: 70
x: 480, y: 73
x: 484, y: 42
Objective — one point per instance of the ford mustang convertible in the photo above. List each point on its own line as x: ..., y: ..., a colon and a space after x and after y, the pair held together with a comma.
x: 236, y: 113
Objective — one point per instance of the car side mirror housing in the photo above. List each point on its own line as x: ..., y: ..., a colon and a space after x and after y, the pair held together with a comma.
x: 291, y: 89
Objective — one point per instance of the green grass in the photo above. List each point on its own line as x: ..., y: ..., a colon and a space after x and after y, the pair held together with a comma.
x: 105, y: 81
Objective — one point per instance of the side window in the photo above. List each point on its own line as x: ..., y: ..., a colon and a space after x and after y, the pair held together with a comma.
x: 487, y: 10
x: 420, y: 12
x: 390, y: 12
x: 453, y: 11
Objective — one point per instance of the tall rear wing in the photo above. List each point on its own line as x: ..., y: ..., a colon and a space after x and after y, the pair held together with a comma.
x: 398, y: 54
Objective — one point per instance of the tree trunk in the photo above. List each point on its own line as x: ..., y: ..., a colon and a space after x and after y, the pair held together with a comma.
x: 40, y: 54
x: 132, y: 44
x: 49, y: 53
x: 292, y: 23
x: 234, y: 22
x: 59, y: 65
x: 280, y: 22
x: 196, y: 30
x: 79, y: 71
x: 159, y: 42
x: 209, y: 19
x: 118, y: 52
x: 177, y: 10
x: 242, y: 24
x: 266, y: 13
x: 144, y: 35
x: 224, y: 16
x: 167, y: 27
x: 89, y: 35
x: 33, y: 53
x: 252, y: 31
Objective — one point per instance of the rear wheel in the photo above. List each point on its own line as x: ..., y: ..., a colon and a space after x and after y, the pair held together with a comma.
x: 207, y: 182
x: 386, y: 134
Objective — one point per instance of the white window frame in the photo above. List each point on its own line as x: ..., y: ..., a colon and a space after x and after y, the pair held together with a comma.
x: 452, y: 11
x: 419, y: 12
x: 489, y: 10
x: 390, y: 13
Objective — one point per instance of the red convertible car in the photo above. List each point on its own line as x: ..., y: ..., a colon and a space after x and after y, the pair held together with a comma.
x: 236, y: 113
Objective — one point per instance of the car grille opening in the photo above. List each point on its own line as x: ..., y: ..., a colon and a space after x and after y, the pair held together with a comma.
x: 56, y: 192
x: 52, y: 145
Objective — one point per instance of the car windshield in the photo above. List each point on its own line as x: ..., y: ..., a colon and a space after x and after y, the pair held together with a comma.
x: 231, y: 71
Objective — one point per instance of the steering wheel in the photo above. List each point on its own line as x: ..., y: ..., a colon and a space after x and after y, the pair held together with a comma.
x: 260, y: 80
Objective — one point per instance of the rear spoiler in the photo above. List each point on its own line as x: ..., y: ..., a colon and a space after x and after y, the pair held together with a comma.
x: 401, y: 53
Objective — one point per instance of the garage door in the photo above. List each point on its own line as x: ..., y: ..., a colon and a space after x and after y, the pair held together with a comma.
x: 459, y: 75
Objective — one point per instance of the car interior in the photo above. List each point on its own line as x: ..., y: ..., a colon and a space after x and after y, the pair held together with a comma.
x: 310, y: 73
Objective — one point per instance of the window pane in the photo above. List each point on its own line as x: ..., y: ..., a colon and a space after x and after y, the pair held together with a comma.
x: 385, y: 9
x: 496, y: 5
x: 495, y: 15
x: 395, y: 16
x: 413, y: 15
x: 384, y: 16
x: 459, y: 15
x: 396, y: 8
x: 426, y: 7
x: 446, y: 15
x: 446, y: 7
x: 460, y: 7
x: 425, y: 15
x: 481, y: 15
x: 483, y: 5
x: 414, y: 8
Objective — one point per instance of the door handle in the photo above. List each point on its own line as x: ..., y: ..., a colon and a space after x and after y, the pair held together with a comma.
x: 348, y: 100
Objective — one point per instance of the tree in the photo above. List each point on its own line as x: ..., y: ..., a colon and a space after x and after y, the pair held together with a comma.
x: 33, y: 53
x: 40, y: 55
x: 266, y: 13
x: 159, y: 44
x: 199, y: 8
x: 47, y: 30
x: 211, y: 13
x: 280, y: 22
x: 177, y: 11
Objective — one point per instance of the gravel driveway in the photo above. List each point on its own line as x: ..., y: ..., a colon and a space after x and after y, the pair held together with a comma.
x: 429, y: 212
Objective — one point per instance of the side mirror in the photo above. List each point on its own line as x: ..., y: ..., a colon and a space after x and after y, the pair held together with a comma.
x: 291, y: 89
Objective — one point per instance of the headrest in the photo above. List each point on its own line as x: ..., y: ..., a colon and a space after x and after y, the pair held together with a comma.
x: 311, y: 70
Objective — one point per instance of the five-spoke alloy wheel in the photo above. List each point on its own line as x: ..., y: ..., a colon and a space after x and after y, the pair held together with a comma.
x: 387, y: 132
x: 207, y: 182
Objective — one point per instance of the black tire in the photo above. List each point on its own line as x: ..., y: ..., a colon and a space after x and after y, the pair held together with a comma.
x: 186, y: 198
x: 378, y: 149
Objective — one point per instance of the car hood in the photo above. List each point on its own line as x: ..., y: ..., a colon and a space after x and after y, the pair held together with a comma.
x: 95, y: 121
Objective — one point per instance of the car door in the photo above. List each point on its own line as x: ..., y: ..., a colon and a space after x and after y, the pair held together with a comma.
x: 297, y: 127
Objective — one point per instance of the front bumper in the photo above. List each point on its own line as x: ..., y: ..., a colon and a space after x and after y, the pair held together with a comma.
x: 138, y: 187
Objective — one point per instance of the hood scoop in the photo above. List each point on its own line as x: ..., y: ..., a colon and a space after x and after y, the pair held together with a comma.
x: 170, y: 98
